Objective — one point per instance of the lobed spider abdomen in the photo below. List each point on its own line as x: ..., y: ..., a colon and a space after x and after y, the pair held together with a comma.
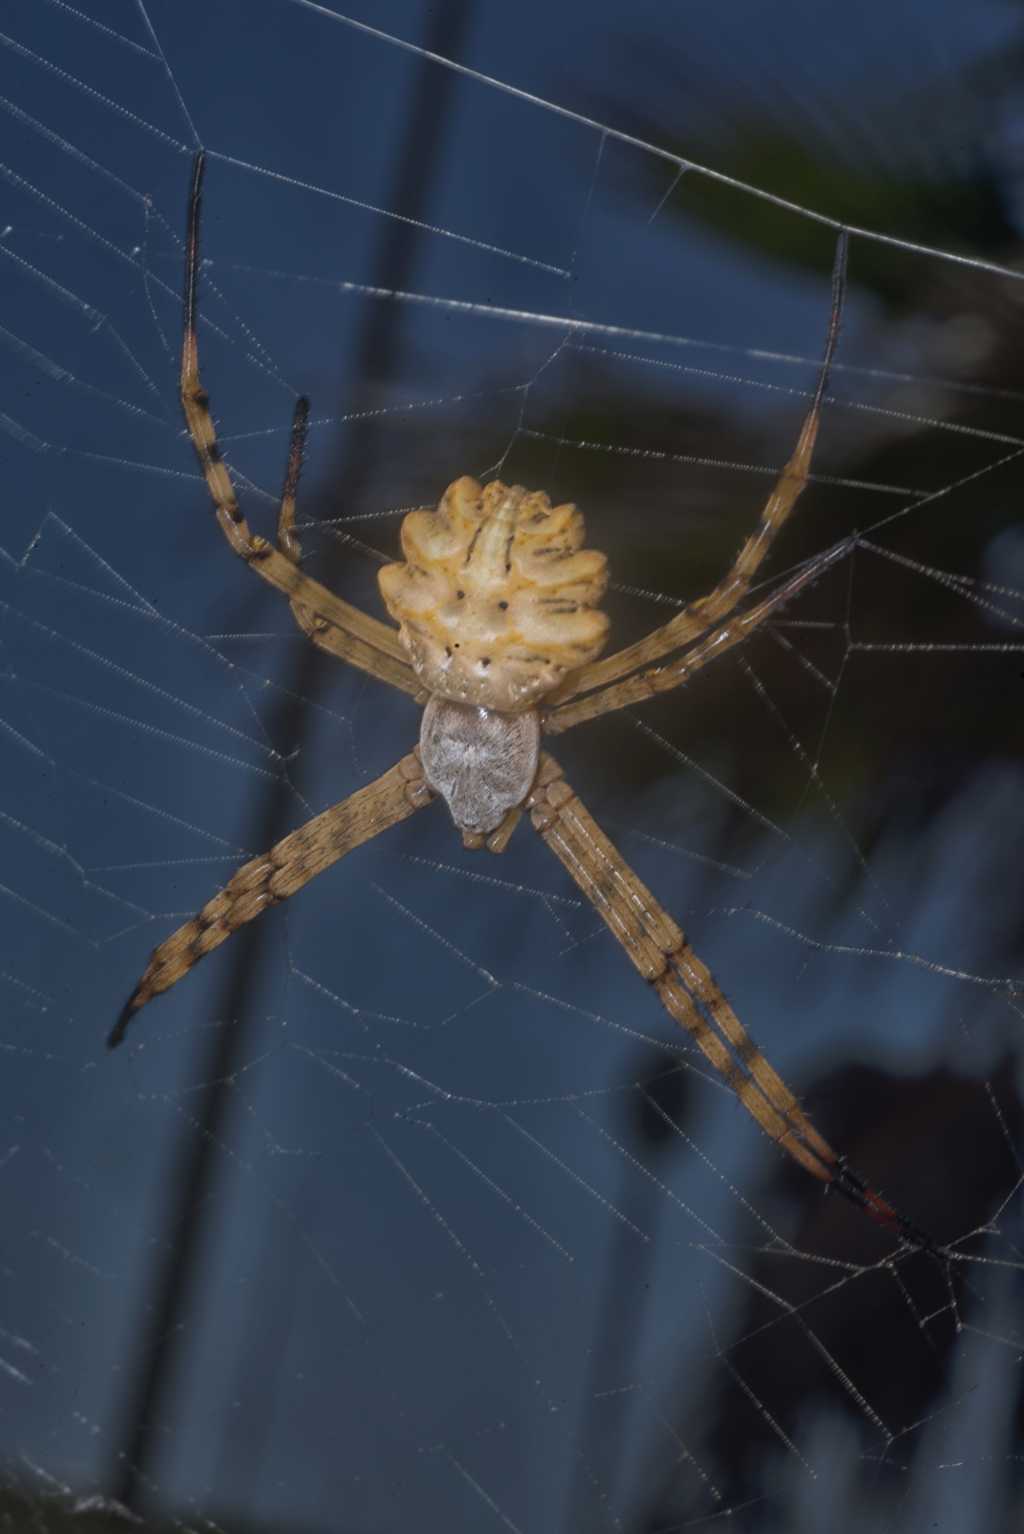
x: 496, y: 600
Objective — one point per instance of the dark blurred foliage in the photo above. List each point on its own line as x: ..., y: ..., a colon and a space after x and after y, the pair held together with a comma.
x: 859, y: 1326
x: 926, y: 165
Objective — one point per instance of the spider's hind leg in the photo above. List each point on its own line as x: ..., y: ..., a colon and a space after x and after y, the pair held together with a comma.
x: 276, y: 875
x: 660, y: 951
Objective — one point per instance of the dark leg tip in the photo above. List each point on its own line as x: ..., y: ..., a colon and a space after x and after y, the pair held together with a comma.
x: 117, y: 1033
x: 851, y: 1186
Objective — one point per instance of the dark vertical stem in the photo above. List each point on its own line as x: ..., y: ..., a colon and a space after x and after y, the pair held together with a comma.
x: 188, y: 1244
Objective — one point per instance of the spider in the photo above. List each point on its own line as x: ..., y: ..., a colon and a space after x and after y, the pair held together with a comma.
x: 499, y: 629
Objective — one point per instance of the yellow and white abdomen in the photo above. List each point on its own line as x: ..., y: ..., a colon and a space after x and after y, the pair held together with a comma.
x: 497, y: 597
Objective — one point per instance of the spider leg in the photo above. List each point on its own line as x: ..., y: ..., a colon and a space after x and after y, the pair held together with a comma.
x: 646, y: 684
x: 287, y: 538
x: 355, y: 636
x: 658, y: 948
x: 699, y: 616
x: 271, y: 878
x: 324, y: 634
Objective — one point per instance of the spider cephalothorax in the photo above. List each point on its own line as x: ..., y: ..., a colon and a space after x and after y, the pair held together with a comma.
x: 497, y: 597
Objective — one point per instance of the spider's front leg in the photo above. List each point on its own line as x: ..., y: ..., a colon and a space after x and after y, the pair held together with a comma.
x: 287, y: 538
x: 714, y: 609
x: 688, y: 991
x: 676, y: 672
x: 331, y: 622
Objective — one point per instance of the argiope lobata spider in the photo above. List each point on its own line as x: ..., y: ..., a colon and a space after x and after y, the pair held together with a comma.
x: 499, y: 630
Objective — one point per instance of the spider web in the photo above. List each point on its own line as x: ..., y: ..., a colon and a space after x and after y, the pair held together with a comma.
x: 410, y: 1207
